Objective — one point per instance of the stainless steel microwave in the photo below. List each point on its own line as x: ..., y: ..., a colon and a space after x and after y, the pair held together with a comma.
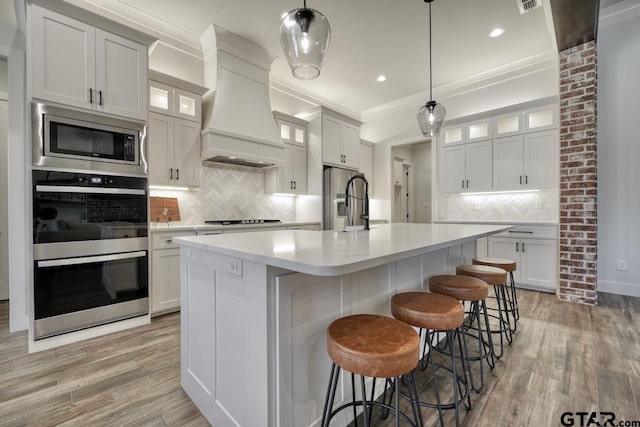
x: 75, y: 140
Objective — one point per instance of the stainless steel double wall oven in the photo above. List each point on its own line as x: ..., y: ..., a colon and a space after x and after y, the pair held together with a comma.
x: 90, y: 228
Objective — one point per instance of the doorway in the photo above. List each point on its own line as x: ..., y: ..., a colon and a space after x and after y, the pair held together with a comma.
x: 4, y: 249
x: 411, y: 194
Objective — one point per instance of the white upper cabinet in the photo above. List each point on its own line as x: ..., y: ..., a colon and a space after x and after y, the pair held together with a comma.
x: 541, y: 165
x: 340, y: 142
x: 512, y: 151
x: 508, y: 166
x: 174, y: 151
x: 76, y: 64
x: 541, y: 118
x: 528, y: 161
x: 478, y: 166
x: 452, y: 135
x: 174, y: 131
x: 291, y: 177
x: 466, y: 167
x: 508, y: 124
x: 453, y: 169
x: 166, y: 99
x: 161, y: 98
x: 187, y: 105
x: 479, y: 130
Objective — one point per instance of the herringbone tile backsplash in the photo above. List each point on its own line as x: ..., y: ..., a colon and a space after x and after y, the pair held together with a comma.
x: 230, y: 192
x: 539, y: 206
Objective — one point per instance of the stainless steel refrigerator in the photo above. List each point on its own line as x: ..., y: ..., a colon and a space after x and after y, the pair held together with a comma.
x: 335, y: 211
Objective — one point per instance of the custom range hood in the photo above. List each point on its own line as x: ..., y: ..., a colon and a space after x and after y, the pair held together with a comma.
x: 239, y: 127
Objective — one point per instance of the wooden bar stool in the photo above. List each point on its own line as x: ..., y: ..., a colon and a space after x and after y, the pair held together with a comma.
x: 509, y: 266
x: 372, y: 346
x: 437, y: 314
x: 497, y: 278
x: 475, y: 291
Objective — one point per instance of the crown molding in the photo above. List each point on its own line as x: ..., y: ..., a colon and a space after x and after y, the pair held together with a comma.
x: 130, y: 16
x: 298, y: 91
x: 503, y: 73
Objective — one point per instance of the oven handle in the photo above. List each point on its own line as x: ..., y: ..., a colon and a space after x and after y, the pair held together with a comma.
x: 92, y: 190
x: 90, y: 259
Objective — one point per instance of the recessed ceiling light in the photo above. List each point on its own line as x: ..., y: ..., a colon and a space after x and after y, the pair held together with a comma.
x: 496, y: 32
x: 381, y: 78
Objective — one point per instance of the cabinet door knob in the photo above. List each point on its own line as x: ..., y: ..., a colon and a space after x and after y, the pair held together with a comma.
x: 295, y: 185
x: 170, y: 173
x: 463, y: 183
x: 177, y: 174
x: 100, y: 93
x: 467, y: 183
x: 523, y: 247
x: 520, y: 179
x: 517, y: 246
x: 526, y: 179
x: 90, y: 96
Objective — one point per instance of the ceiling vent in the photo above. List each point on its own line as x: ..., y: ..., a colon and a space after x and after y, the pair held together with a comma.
x: 526, y: 5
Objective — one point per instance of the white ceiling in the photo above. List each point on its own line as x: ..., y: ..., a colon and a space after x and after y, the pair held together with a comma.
x: 370, y: 37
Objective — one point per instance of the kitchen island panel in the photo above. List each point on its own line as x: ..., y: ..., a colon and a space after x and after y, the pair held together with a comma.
x: 269, y: 327
x: 224, y: 339
x: 306, y: 305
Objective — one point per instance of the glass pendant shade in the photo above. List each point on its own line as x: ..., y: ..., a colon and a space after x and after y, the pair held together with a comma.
x: 431, y: 118
x: 431, y: 115
x: 305, y: 35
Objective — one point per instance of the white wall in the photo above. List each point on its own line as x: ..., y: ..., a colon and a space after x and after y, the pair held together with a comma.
x: 12, y: 46
x: 421, y: 154
x: 4, y: 76
x: 618, y: 153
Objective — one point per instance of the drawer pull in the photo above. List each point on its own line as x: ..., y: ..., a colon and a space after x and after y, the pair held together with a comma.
x: 169, y: 240
x: 516, y: 231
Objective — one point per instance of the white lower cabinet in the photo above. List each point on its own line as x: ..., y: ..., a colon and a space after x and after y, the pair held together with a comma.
x: 536, y: 258
x: 165, y: 271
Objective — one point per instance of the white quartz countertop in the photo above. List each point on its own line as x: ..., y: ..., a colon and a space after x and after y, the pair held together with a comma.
x: 332, y: 253
x: 163, y: 227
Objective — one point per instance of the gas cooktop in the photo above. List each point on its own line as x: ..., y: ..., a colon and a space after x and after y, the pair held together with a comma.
x: 242, y: 221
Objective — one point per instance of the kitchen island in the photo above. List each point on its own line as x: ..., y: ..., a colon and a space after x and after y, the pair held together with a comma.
x: 255, y: 307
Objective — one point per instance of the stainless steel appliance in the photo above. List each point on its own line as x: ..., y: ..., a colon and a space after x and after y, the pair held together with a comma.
x: 90, y: 250
x: 335, y: 210
x: 70, y: 139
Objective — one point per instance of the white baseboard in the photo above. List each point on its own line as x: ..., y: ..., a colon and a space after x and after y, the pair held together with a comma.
x: 620, y: 288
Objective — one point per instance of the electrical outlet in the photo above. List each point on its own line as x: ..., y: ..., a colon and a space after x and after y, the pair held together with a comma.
x: 622, y: 264
x: 537, y: 204
x: 235, y: 267
x: 477, y: 205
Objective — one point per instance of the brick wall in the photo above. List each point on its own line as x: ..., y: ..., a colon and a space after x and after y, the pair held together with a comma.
x: 578, y: 174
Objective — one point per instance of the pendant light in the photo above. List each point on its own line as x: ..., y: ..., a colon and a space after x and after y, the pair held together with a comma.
x: 305, y: 35
x: 431, y: 115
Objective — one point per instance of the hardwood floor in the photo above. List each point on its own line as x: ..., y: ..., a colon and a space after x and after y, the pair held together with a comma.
x: 565, y: 357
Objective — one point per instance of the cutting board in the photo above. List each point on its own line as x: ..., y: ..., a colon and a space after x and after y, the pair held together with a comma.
x: 164, y: 209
